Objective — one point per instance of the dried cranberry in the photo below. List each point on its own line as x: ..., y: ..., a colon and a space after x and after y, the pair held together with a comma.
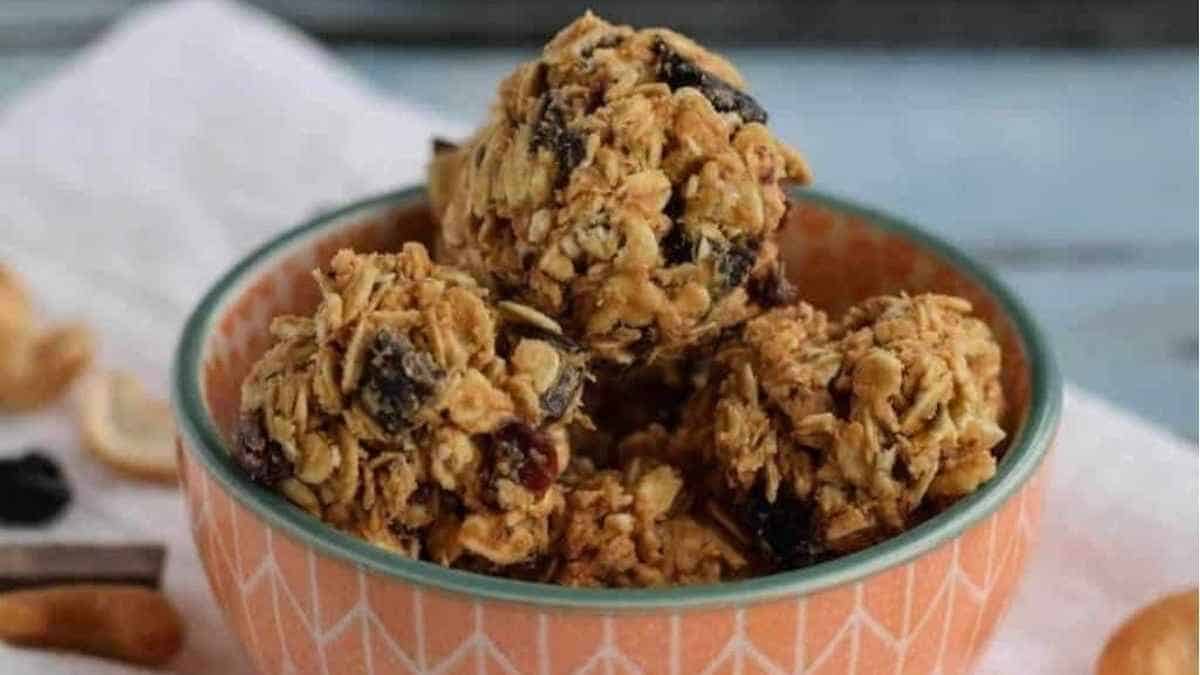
x: 550, y: 131
x: 260, y: 457
x: 785, y: 530
x: 677, y: 71
x: 525, y: 455
x: 397, y: 378
x: 33, y: 490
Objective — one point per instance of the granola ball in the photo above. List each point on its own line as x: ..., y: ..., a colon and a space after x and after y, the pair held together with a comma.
x: 627, y: 186
x: 829, y: 437
x: 413, y: 411
x: 632, y: 528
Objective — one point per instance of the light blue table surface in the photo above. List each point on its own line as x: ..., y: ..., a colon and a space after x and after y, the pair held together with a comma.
x: 1073, y: 174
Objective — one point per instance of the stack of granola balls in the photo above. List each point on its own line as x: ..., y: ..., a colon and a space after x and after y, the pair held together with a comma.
x: 602, y: 376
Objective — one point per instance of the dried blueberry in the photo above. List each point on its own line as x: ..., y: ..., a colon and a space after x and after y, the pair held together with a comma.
x: 772, y: 289
x: 34, y: 490
x: 551, y: 132
x: 397, y: 378
x: 678, y: 72
x: 785, y: 530
x: 524, y: 455
x: 261, y: 457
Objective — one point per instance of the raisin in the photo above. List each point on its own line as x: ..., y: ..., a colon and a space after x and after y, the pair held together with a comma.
x: 841, y: 399
x: 735, y: 263
x: 900, y: 470
x: 34, y: 490
x: 772, y: 289
x: 785, y: 530
x: 677, y: 247
x: 260, y: 456
x: 400, y: 529
x: 675, y: 207
x: 441, y: 145
x: 562, y: 393
x: 397, y: 378
x: 551, y: 132
x: 648, y: 339
x: 448, y: 502
x: 676, y: 71
x: 424, y: 494
x: 524, y: 455
x: 535, y: 568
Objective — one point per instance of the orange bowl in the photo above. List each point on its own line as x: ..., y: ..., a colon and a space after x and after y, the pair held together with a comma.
x: 305, y: 598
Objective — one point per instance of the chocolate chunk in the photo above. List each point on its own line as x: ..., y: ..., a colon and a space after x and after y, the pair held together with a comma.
x: 261, y: 457
x: 524, y: 455
x: 772, y: 289
x: 441, y: 145
x: 551, y: 132
x: 676, y: 71
x: 397, y: 378
x: 785, y: 530
x: 33, y: 490
x: 40, y: 565
x: 558, y: 398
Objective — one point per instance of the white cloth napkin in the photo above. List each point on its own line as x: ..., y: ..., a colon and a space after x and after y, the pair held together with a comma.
x: 195, y: 130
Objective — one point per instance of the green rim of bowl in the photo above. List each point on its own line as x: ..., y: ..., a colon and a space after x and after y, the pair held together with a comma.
x: 1025, y: 453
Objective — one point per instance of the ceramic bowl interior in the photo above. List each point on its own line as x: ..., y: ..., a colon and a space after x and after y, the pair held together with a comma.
x: 228, y: 331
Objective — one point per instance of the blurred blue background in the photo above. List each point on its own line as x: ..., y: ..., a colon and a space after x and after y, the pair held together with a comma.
x: 1056, y: 141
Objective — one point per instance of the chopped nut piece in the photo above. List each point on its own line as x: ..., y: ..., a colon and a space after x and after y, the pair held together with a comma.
x: 128, y: 429
x: 36, y: 366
